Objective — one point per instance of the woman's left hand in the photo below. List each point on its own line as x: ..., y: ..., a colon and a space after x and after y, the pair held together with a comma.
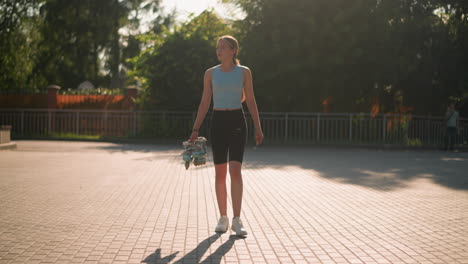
x: 259, y: 137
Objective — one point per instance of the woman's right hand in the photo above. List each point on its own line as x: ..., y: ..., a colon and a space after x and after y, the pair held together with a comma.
x: 194, y: 136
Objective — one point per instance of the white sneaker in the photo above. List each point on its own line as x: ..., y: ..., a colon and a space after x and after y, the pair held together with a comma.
x: 238, y: 227
x: 223, y: 224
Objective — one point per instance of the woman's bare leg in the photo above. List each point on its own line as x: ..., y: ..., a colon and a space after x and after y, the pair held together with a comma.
x: 236, y: 186
x: 221, y: 192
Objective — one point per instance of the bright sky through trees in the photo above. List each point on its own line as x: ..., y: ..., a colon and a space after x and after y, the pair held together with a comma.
x: 186, y: 7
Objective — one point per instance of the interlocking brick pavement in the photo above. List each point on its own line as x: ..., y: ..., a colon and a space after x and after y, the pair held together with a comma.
x: 86, y: 202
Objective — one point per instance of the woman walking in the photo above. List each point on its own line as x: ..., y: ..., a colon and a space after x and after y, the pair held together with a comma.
x: 230, y: 84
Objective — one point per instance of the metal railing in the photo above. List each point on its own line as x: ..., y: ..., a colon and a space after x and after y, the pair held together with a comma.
x: 354, y: 128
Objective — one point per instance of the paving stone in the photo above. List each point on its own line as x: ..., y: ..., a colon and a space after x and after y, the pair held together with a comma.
x: 88, y: 202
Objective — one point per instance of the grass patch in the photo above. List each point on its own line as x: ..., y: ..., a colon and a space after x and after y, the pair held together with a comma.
x: 415, y: 142
x: 74, y: 136
x: 70, y: 136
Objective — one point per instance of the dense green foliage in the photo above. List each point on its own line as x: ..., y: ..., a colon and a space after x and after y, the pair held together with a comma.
x: 385, y: 55
x: 357, y: 53
x: 66, y: 42
x: 18, y: 44
x: 172, y: 68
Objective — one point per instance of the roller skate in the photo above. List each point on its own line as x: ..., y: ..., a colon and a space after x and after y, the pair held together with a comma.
x: 195, y: 152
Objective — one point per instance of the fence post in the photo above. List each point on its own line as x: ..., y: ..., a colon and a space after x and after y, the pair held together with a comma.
x: 51, y: 105
x: 105, y: 122
x: 134, y: 123
x: 407, y: 129
x: 130, y: 97
x: 52, y: 96
x: 22, y: 123
x: 77, y: 122
x: 49, y: 121
x: 350, y: 128
x: 286, y: 127
x: 384, y: 127
x: 5, y: 134
x: 318, y: 127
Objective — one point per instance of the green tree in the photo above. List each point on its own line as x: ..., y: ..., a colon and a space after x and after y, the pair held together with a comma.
x: 352, y: 52
x: 82, y: 38
x: 305, y: 52
x: 66, y: 42
x: 453, y: 59
x: 172, y: 67
x: 133, y: 41
x: 18, y: 44
x: 75, y: 33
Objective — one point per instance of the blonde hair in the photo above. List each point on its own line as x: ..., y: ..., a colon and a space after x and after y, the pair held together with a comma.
x: 234, y: 44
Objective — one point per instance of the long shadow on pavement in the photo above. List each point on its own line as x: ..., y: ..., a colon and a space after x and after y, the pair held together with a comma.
x: 377, y: 169
x: 196, y: 254
x: 156, y: 258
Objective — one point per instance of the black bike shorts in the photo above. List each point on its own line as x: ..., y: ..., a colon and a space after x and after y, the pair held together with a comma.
x: 228, y: 135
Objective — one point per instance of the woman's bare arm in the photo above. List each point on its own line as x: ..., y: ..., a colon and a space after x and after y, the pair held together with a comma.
x: 250, y: 99
x: 205, y: 100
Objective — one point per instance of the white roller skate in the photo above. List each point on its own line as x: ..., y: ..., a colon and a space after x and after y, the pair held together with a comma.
x: 194, y: 152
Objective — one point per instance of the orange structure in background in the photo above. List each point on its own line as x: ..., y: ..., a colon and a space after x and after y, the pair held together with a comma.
x: 326, y: 105
x: 53, y: 100
x: 401, y: 114
x: 375, y: 108
x: 89, y: 101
